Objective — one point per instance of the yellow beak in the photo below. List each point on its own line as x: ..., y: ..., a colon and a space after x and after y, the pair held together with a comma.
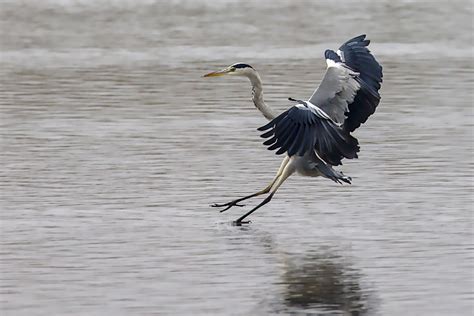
x: 217, y: 73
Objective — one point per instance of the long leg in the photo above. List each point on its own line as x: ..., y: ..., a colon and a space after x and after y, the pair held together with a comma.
x: 263, y: 191
x: 287, y: 171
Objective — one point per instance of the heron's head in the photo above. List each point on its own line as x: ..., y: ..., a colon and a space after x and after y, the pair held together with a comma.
x: 238, y: 69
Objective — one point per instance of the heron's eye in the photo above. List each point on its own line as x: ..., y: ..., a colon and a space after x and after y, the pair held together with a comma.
x: 232, y: 69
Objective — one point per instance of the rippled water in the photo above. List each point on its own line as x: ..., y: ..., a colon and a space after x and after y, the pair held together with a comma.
x: 113, y: 146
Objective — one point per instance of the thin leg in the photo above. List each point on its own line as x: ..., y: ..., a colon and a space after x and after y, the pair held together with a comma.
x: 265, y: 190
x: 288, y: 171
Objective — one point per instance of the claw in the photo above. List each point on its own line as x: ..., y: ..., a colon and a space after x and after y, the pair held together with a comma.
x: 239, y: 223
x: 227, y: 205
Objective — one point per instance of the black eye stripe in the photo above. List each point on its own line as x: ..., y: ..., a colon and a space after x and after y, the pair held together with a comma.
x: 237, y: 66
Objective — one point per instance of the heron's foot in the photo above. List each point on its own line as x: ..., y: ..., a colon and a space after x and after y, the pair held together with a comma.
x: 227, y: 205
x: 240, y: 223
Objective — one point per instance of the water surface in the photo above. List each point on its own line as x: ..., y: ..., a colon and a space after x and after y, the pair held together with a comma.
x: 113, y: 147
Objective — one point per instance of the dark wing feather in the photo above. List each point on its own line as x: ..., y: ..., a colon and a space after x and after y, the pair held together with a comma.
x: 355, y: 54
x: 301, y: 129
x: 349, y: 90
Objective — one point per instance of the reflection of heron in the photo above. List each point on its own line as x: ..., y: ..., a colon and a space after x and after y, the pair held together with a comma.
x: 319, y: 280
x: 324, y: 284
x: 315, y: 134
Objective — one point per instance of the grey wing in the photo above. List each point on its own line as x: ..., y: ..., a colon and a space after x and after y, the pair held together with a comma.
x: 348, y: 92
x: 305, y: 128
x: 336, y: 91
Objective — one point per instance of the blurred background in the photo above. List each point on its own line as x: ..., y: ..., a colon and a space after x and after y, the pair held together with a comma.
x: 113, y: 147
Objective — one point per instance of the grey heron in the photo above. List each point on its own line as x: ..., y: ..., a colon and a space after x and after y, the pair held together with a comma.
x: 315, y: 134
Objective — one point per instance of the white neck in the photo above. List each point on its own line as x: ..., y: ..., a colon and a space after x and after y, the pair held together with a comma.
x: 257, y: 96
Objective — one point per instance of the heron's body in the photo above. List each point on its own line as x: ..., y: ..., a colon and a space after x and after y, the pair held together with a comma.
x: 315, y: 135
x: 306, y: 165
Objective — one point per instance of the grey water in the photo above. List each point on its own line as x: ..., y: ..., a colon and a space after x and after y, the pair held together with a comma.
x: 113, y: 147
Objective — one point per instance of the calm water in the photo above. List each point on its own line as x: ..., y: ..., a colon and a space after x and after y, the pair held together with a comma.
x: 113, y: 147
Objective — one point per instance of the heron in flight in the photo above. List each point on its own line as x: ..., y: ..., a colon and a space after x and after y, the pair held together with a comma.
x: 315, y: 135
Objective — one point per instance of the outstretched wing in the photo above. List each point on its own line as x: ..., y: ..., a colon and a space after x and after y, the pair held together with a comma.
x: 305, y: 127
x: 348, y: 92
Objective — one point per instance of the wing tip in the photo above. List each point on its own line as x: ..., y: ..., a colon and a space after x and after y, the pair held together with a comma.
x: 358, y: 38
x: 265, y: 127
x: 332, y: 55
